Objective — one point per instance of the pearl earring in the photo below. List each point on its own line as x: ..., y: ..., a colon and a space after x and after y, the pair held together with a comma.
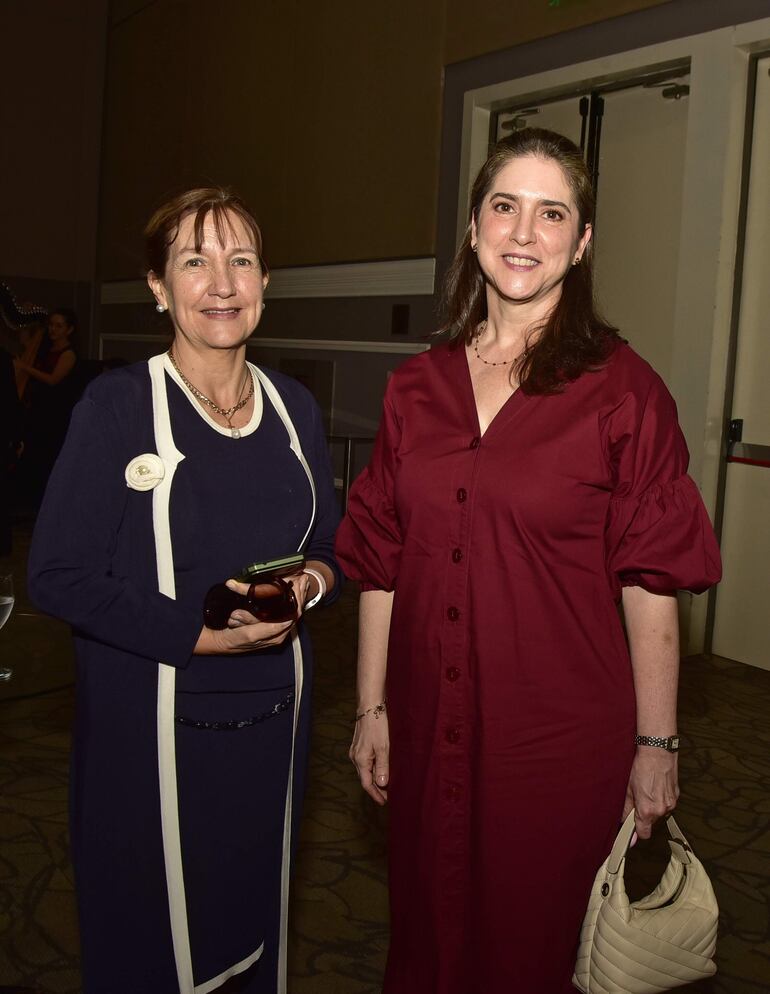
x: 474, y: 248
x: 160, y: 308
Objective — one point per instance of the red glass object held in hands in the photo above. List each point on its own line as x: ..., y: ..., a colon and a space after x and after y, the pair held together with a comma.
x: 269, y: 597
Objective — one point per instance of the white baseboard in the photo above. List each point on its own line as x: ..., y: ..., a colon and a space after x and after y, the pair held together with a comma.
x: 311, y: 344
x: 393, y: 278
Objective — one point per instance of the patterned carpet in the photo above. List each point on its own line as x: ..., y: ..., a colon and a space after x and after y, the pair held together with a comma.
x: 339, y: 915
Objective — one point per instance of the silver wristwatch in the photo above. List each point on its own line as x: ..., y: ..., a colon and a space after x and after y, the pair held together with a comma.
x: 671, y: 744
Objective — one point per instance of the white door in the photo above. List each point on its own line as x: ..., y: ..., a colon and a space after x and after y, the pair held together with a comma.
x: 638, y: 215
x: 742, y: 620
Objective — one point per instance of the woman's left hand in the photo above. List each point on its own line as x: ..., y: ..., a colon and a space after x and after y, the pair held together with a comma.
x: 300, y: 583
x: 653, y: 787
x: 244, y: 632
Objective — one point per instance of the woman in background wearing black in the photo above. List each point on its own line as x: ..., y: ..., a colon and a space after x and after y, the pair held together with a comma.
x: 10, y: 440
x: 50, y: 395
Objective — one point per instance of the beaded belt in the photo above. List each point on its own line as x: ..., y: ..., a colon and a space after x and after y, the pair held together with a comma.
x: 237, y: 723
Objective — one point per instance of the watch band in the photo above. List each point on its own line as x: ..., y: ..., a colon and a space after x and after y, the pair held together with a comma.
x: 321, y: 587
x: 670, y: 744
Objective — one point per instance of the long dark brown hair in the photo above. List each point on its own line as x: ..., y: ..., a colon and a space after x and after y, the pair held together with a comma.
x: 573, y: 338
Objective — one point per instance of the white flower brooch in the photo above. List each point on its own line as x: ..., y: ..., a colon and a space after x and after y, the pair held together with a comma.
x: 145, y: 472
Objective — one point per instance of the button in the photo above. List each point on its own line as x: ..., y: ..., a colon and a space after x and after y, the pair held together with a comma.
x: 453, y: 792
x: 457, y: 555
x: 452, y: 673
x: 462, y: 495
x: 453, y: 735
x: 475, y: 442
x: 452, y: 613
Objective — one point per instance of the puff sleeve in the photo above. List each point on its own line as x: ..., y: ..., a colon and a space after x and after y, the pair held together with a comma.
x: 658, y: 534
x: 369, y: 539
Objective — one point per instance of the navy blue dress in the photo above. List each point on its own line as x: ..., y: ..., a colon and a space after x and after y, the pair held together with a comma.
x: 182, y: 869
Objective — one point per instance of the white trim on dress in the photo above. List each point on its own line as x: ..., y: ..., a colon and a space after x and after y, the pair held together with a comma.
x: 169, y: 804
x: 169, y: 808
x: 277, y: 402
x: 211, y: 985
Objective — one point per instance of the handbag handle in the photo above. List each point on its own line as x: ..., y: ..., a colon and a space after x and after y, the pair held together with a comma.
x: 678, y: 843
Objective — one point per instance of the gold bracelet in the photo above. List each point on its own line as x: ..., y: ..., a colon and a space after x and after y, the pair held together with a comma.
x: 377, y: 710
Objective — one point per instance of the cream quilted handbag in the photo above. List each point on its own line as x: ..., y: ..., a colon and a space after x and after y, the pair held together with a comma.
x: 663, y: 941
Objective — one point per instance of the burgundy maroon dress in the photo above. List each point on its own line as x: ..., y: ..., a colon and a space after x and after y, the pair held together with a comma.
x: 509, y: 685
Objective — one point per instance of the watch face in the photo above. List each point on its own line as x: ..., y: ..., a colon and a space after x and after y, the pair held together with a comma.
x: 673, y: 743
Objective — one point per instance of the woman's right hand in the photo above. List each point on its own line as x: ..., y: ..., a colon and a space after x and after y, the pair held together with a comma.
x: 369, y: 752
x: 243, y: 638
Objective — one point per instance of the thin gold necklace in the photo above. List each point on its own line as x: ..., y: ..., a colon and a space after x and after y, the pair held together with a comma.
x: 227, y: 413
x: 476, y: 337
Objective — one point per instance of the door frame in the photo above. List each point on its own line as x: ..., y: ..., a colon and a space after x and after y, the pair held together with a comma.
x: 735, y: 318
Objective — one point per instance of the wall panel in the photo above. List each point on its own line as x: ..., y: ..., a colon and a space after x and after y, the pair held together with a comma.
x: 51, y: 76
x: 490, y: 25
x: 326, y: 117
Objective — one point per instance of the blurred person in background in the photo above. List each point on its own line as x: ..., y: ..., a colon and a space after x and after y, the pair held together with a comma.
x: 10, y: 445
x: 50, y: 393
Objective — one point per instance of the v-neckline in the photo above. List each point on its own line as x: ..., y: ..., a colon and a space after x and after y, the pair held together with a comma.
x: 507, y: 406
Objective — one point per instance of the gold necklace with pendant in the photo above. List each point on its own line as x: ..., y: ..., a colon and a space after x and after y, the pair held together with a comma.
x: 226, y: 413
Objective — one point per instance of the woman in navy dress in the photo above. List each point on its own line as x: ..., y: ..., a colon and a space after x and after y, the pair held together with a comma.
x: 190, y: 743
x: 526, y: 478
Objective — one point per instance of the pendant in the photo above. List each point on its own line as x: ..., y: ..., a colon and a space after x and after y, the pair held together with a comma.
x: 235, y: 433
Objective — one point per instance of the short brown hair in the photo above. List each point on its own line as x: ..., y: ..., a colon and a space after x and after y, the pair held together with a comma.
x: 163, y: 227
x: 574, y: 337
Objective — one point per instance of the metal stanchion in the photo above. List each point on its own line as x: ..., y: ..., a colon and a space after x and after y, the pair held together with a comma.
x: 349, y: 443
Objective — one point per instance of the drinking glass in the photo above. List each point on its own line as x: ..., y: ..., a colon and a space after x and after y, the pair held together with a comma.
x: 6, y: 606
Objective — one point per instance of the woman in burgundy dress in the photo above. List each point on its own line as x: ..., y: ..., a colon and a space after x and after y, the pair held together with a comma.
x: 527, y: 476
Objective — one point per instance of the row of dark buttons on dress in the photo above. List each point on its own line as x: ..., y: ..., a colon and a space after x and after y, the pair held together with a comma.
x: 452, y: 673
x: 462, y: 493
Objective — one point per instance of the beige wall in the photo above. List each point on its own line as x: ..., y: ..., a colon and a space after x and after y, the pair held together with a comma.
x: 51, y: 75
x: 490, y: 25
x: 326, y: 117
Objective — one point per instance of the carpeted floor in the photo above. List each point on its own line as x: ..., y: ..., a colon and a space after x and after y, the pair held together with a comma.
x: 339, y: 913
